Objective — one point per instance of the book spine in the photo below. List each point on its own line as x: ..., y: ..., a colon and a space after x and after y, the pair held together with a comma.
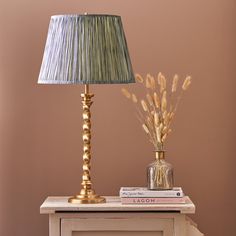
x: 140, y: 200
x: 152, y: 194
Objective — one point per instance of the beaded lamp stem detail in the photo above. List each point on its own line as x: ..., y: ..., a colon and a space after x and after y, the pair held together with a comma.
x: 87, y: 194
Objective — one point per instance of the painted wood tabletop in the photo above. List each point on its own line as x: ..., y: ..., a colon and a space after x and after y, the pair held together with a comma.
x: 60, y: 204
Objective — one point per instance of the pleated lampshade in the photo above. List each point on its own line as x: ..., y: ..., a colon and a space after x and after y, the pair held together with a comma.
x: 86, y: 49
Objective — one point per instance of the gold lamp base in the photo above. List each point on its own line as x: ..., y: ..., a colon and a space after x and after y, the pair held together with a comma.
x: 87, y: 195
x: 89, y: 199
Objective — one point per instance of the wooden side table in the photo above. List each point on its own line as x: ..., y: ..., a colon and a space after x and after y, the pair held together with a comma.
x: 114, y: 219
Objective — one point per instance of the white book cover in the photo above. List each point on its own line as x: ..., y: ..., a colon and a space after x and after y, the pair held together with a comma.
x: 144, y: 192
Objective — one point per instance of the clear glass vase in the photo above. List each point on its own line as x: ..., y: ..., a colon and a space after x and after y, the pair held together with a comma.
x: 160, y: 173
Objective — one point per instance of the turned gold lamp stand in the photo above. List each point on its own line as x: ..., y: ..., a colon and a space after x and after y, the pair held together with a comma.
x: 87, y: 194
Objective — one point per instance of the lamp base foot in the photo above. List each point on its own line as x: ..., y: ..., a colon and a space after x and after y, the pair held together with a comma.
x: 87, y: 199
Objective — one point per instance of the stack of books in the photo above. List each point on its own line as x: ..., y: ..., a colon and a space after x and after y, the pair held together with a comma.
x: 139, y: 195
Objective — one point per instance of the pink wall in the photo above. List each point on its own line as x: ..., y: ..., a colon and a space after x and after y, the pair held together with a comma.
x: 40, y: 142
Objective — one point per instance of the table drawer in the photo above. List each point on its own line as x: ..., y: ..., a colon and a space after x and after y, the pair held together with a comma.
x: 117, y: 227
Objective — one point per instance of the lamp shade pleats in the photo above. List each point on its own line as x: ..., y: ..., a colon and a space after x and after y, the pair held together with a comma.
x: 86, y: 49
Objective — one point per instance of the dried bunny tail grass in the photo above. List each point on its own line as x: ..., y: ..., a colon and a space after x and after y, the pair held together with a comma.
x: 126, y: 93
x: 168, y: 118
x: 161, y: 127
x: 165, y: 117
x: 157, y: 111
x: 148, y: 81
x: 144, y: 105
x: 156, y: 119
x: 158, y: 134
x: 165, y: 130
x: 174, y: 83
x: 186, y: 83
x: 163, y: 102
x: 134, y: 98
x: 152, y: 82
x: 149, y: 123
x: 139, y: 78
x: 164, y: 114
x: 145, y: 128
x: 156, y: 100
x: 163, y: 83
x: 159, y: 78
x: 150, y: 100
x: 164, y: 137
x: 166, y: 133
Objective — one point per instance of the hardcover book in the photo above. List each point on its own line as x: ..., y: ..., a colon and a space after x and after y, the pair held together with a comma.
x: 144, y: 192
x: 148, y: 200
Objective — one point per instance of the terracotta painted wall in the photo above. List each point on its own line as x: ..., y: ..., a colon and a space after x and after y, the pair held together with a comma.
x: 40, y: 126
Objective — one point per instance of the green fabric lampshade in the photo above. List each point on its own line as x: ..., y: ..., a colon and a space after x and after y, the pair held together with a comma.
x: 86, y: 49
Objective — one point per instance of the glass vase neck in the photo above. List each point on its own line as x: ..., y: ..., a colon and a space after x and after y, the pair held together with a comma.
x: 160, y: 155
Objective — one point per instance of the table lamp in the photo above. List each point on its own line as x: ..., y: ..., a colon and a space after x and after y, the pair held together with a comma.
x: 86, y: 49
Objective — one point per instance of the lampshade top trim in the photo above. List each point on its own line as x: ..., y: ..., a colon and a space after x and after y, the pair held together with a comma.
x: 84, y: 15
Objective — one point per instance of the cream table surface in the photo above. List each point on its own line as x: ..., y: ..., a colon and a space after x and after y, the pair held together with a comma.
x: 113, y: 218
